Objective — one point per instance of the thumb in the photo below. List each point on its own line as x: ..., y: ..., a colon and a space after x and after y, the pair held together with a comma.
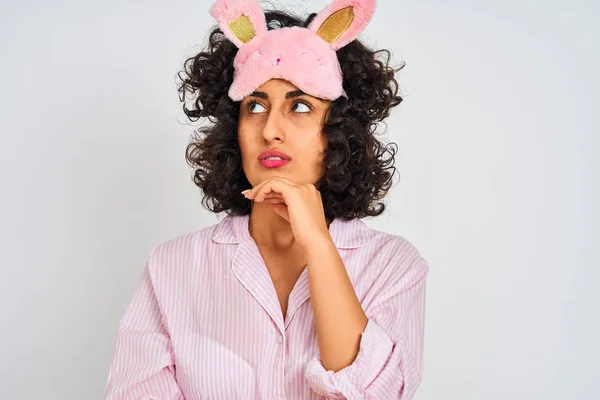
x: 281, y: 210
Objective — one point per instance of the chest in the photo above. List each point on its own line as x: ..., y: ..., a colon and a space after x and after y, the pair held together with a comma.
x: 284, y: 268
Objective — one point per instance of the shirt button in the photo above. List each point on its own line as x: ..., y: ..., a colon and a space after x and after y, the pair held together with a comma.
x: 279, y: 339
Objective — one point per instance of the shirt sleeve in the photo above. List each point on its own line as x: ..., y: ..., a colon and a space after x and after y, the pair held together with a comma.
x: 143, y: 365
x: 389, y: 362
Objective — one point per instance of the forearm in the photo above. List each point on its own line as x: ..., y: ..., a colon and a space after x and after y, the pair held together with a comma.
x: 339, y: 317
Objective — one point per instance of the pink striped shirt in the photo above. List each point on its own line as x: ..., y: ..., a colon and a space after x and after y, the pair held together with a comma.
x: 205, y: 322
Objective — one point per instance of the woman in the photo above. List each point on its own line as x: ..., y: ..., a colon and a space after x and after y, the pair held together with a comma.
x: 290, y: 295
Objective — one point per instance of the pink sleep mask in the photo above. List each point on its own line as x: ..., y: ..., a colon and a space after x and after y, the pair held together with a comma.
x: 304, y: 56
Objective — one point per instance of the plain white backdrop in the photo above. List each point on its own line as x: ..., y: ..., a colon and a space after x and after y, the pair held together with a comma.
x: 498, y: 184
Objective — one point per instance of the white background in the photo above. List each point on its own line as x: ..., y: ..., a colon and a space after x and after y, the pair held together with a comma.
x: 498, y: 184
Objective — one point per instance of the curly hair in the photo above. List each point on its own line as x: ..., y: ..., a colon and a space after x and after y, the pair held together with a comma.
x: 357, y: 174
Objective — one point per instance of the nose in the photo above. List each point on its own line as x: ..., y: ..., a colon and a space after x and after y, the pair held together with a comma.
x: 274, y: 127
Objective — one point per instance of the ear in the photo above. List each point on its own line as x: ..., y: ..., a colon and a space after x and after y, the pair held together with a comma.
x: 342, y: 21
x: 240, y: 20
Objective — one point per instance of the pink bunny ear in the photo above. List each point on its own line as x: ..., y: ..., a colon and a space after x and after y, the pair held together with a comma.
x: 342, y: 21
x: 240, y: 20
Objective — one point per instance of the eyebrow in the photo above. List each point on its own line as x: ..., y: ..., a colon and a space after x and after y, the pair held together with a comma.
x: 288, y: 95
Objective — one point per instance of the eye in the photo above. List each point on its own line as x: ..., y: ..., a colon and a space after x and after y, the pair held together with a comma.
x: 252, y: 109
x: 305, y: 108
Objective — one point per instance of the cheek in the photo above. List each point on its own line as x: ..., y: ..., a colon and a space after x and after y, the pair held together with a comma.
x: 320, y: 140
x: 245, y: 145
x: 248, y: 132
x: 312, y: 148
x: 245, y: 133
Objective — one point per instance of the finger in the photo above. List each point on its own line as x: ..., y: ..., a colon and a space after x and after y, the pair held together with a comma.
x: 274, y: 185
x: 273, y: 193
x: 254, y: 191
x: 251, y: 193
x: 273, y: 200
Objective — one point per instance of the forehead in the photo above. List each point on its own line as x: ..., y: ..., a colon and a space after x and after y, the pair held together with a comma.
x: 277, y: 85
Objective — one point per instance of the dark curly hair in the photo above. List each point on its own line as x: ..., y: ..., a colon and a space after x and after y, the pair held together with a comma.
x: 357, y: 173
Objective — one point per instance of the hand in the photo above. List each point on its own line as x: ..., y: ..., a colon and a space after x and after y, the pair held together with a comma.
x: 298, y: 204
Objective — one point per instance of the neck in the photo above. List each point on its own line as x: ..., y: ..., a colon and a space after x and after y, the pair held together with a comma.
x: 268, y: 229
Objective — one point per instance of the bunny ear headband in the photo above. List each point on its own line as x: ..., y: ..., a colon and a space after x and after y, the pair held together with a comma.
x: 304, y: 56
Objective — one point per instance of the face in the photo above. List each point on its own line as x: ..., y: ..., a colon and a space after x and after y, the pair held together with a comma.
x: 278, y: 116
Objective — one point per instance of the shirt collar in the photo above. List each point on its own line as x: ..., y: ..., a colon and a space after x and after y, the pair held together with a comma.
x: 345, y: 234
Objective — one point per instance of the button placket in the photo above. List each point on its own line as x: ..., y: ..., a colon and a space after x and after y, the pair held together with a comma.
x: 279, y: 367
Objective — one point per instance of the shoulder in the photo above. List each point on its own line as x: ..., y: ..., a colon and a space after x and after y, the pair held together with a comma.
x: 189, y: 249
x: 396, y: 248
x: 386, y: 265
x: 369, y: 243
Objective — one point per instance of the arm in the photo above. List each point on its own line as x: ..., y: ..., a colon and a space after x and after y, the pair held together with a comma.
x: 387, y: 360
x: 339, y: 317
x: 143, y: 365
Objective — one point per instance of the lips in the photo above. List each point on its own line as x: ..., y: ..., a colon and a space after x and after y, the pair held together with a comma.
x: 273, y: 153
